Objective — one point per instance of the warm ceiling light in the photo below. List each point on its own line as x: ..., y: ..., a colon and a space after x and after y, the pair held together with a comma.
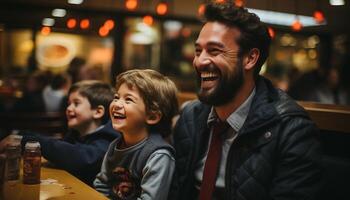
x: 283, y: 19
x: 337, y: 2
x: 76, y: 2
x: 271, y: 32
x: 220, y: 1
x: 201, y: 9
x: 103, y: 31
x: 45, y: 30
x: 48, y: 22
x: 84, y: 24
x: 319, y: 16
x: 239, y: 3
x: 162, y: 8
x: 71, y: 23
x: 148, y: 19
x: 296, y: 26
x: 59, y: 12
x: 109, y: 24
x: 131, y: 4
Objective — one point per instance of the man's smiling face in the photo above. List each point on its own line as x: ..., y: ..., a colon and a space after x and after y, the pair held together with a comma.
x: 219, y: 69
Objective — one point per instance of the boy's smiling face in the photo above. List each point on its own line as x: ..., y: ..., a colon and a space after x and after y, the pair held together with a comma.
x: 79, y: 113
x: 128, y: 111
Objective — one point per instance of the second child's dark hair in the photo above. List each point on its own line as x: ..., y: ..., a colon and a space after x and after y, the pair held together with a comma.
x: 97, y: 93
x: 254, y: 33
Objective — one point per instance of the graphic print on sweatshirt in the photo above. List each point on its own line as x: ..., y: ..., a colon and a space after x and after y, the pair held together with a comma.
x: 124, y: 185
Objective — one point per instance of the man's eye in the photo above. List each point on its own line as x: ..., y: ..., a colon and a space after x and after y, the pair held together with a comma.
x: 214, y: 51
x: 198, y: 52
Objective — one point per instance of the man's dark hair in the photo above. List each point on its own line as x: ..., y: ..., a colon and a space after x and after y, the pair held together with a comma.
x: 254, y: 33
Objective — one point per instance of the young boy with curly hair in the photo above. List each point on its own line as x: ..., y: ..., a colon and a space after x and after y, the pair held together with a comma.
x: 140, y: 164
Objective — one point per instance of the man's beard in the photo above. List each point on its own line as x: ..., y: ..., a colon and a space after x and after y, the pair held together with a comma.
x: 226, y: 89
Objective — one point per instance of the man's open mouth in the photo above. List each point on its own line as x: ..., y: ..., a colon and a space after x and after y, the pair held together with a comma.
x: 209, y: 76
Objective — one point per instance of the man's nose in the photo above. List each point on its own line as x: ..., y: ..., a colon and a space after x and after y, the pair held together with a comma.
x: 202, y: 60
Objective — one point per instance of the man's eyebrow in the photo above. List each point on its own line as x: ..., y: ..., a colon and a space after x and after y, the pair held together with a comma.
x: 217, y: 44
x: 211, y: 43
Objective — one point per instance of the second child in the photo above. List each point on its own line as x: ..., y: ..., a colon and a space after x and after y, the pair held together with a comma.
x: 140, y: 164
x: 82, y: 149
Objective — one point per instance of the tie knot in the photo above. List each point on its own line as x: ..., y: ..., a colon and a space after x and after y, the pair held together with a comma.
x: 220, y: 127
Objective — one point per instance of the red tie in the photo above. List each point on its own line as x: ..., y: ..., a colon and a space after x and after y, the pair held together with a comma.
x: 212, y: 162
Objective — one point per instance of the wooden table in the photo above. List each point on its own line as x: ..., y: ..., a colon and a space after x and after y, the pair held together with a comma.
x: 55, y: 184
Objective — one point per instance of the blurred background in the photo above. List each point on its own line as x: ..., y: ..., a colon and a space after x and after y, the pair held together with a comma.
x: 47, y: 45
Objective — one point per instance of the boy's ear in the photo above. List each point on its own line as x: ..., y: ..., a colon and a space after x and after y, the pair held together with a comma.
x: 99, y: 112
x: 153, y: 118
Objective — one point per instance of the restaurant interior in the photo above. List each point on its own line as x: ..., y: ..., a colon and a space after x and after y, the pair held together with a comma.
x: 73, y: 40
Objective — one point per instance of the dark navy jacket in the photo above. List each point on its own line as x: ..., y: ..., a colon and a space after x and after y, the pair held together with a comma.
x: 81, y: 157
x: 274, y: 156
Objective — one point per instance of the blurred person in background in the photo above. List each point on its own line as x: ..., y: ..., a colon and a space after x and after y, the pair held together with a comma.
x: 55, y: 94
x: 323, y: 85
x: 93, y: 72
x: 32, y: 100
x: 75, y: 67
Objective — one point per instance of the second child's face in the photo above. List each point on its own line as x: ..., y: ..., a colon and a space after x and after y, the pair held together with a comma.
x: 128, y: 111
x: 79, y: 113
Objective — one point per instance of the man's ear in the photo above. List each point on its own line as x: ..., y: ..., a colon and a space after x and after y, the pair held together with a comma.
x: 153, y: 117
x: 251, y: 58
x: 99, y: 112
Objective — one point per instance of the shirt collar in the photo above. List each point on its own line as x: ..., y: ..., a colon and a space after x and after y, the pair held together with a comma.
x: 238, y: 117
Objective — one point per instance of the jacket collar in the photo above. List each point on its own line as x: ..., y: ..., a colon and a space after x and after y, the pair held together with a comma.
x: 263, y: 110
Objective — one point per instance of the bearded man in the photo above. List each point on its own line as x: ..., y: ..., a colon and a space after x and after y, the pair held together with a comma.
x: 243, y: 139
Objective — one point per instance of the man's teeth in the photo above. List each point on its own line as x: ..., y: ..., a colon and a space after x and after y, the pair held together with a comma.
x: 208, y: 75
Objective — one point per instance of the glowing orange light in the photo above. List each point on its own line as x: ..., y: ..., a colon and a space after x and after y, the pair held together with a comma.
x: 103, y: 31
x: 220, y: 1
x: 109, y: 24
x: 297, y: 26
x: 84, y: 24
x: 131, y: 4
x: 201, y: 9
x: 271, y: 32
x: 148, y: 20
x: 239, y: 3
x: 319, y: 16
x: 71, y: 23
x: 186, y: 32
x: 45, y: 30
x: 162, y: 8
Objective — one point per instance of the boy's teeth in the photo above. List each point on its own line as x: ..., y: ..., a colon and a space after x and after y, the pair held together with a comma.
x: 118, y: 115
